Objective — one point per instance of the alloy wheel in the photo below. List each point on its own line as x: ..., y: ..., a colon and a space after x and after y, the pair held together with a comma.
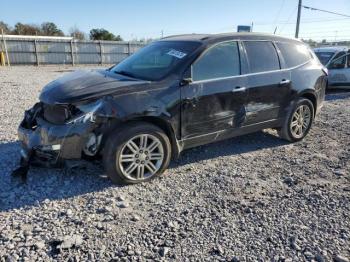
x: 301, y: 121
x: 141, y: 157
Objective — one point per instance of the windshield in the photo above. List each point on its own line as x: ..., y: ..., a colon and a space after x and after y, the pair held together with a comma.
x: 156, y: 60
x: 324, y: 57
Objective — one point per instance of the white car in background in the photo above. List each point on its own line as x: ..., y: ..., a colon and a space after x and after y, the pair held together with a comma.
x: 337, y: 60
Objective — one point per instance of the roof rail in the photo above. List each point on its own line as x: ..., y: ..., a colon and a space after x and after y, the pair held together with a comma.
x: 179, y: 35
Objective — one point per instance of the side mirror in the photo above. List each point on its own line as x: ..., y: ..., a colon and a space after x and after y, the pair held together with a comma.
x: 186, y: 81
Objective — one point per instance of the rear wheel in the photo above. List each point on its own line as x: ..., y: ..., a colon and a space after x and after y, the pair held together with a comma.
x: 135, y: 153
x: 299, y: 121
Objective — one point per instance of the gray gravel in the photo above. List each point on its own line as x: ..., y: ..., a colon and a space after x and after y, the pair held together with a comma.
x: 253, y: 198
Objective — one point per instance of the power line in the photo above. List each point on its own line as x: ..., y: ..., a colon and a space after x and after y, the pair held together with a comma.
x: 300, y: 6
x: 290, y: 16
x: 321, y: 36
x: 326, y: 33
x: 304, y: 21
x: 325, y: 11
x: 278, y: 14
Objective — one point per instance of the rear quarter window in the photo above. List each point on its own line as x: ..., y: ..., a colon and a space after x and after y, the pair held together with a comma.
x: 294, y: 54
x: 262, y: 56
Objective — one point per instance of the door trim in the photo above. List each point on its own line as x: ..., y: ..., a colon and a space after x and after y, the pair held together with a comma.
x: 229, y: 133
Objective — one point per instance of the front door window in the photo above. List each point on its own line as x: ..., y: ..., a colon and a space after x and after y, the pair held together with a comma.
x: 220, y: 61
x: 339, y: 63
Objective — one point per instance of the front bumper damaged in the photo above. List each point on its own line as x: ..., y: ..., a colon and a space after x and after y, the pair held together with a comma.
x: 46, y: 144
x: 53, y: 142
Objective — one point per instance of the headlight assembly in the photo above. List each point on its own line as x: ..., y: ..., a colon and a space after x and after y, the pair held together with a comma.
x: 90, y: 116
x: 90, y: 111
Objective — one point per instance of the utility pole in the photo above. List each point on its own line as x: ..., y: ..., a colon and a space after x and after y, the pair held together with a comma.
x: 298, y: 19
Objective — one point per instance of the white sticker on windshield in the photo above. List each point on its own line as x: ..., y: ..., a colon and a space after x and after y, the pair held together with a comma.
x: 176, y: 53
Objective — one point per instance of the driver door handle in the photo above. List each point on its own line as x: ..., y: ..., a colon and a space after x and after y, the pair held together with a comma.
x: 285, y: 82
x: 239, y: 89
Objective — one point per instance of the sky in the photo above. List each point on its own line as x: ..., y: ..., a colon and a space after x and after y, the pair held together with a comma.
x: 149, y: 18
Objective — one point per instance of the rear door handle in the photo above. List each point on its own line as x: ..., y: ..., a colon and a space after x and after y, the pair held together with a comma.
x: 285, y: 82
x: 190, y: 101
x: 239, y: 89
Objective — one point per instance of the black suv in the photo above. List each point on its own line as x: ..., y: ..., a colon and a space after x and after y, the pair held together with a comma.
x: 176, y: 93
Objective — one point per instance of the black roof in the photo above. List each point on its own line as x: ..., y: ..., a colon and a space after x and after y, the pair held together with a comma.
x: 212, y: 38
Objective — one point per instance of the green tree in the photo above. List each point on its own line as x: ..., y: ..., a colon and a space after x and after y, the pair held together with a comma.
x: 26, y: 29
x: 310, y: 42
x: 118, y: 38
x: 77, y: 34
x: 5, y: 27
x: 50, y: 29
x: 103, y: 34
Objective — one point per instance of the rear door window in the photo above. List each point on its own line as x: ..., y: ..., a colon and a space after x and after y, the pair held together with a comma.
x: 294, y: 54
x: 262, y: 56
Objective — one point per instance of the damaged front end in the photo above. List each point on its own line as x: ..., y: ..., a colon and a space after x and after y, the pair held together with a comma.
x: 50, y: 134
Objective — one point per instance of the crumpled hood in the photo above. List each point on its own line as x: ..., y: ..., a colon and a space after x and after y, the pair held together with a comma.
x: 82, y: 85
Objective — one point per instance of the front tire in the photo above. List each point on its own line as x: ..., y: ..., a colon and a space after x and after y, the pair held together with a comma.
x: 298, y: 122
x: 136, y: 153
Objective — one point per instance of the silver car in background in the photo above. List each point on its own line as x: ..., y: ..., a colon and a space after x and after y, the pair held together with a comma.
x: 337, y: 60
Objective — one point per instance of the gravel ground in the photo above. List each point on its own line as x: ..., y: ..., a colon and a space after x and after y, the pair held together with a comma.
x: 252, y: 198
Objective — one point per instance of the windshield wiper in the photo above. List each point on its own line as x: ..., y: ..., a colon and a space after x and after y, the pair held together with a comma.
x: 125, y: 73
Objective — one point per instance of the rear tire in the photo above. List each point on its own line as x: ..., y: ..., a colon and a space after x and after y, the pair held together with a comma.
x: 298, y: 122
x: 136, y: 152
